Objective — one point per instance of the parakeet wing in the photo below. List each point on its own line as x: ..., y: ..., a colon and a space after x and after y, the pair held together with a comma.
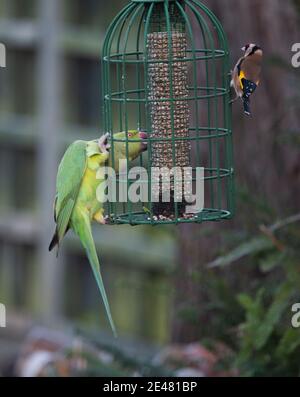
x: 69, y: 179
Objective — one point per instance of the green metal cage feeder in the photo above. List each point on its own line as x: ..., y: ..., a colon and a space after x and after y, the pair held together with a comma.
x: 166, y: 72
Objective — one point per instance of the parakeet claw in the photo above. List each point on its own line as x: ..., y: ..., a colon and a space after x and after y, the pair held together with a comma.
x: 104, y: 146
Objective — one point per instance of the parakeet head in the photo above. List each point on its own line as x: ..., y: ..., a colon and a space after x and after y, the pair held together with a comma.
x: 251, y: 49
x: 137, y: 143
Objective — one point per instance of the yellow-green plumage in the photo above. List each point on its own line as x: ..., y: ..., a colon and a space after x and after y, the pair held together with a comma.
x: 76, y: 204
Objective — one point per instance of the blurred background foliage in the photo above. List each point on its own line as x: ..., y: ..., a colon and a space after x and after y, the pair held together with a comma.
x: 229, y: 288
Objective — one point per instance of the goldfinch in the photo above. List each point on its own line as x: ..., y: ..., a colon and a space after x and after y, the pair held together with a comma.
x: 246, y: 74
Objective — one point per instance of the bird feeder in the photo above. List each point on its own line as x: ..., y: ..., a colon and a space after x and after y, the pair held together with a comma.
x: 166, y: 73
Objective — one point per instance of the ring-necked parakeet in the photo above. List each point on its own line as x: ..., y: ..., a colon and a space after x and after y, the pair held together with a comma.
x: 76, y: 204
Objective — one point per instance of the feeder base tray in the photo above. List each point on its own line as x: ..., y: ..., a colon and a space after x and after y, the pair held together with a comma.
x: 142, y: 218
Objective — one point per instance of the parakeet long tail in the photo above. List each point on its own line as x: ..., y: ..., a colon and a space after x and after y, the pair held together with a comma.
x: 54, y: 242
x: 82, y: 227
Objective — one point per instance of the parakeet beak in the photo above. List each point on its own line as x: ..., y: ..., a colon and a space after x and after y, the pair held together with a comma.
x: 243, y: 48
x: 144, y: 137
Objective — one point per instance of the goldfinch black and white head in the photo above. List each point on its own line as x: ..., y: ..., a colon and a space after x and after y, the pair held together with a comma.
x: 251, y: 49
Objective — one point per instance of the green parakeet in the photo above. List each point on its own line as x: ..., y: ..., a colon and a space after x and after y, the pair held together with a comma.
x: 76, y: 204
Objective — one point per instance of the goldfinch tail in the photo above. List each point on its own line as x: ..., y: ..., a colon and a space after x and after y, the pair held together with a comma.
x: 247, y: 110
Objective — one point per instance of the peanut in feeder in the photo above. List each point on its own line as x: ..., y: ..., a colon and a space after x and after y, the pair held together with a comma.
x: 166, y: 72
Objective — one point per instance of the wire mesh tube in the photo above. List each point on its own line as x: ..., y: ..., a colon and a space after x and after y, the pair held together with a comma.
x: 169, y: 111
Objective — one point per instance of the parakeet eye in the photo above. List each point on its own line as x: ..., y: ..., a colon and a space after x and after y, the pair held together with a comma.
x: 130, y: 135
